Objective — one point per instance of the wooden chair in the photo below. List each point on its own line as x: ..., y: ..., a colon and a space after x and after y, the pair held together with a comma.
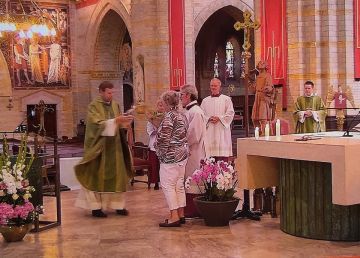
x: 141, y: 163
x: 238, y: 120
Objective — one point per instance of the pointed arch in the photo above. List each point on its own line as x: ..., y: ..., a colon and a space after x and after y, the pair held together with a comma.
x: 101, y: 10
x: 210, y: 9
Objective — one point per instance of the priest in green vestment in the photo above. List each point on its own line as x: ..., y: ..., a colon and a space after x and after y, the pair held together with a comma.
x: 309, y: 112
x: 106, y: 168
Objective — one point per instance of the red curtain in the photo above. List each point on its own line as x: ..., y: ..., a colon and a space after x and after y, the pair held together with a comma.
x: 274, y: 42
x: 177, y: 43
x: 357, y: 38
x: 85, y: 3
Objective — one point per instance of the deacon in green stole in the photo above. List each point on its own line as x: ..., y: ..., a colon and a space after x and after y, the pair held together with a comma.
x: 309, y: 112
x: 106, y: 168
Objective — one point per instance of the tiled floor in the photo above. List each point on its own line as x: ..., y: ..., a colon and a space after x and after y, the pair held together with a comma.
x: 138, y: 235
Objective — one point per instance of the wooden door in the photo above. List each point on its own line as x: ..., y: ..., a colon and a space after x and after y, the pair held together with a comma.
x: 35, y: 124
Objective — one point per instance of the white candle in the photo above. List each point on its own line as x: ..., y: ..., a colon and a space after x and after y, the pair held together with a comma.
x: 256, y: 133
x: 278, y: 131
x: 267, y: 132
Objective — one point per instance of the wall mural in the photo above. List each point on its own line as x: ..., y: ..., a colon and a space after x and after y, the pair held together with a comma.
x: 36, y: 61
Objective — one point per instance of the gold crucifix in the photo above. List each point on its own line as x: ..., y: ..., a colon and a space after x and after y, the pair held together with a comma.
x: 247, y: 25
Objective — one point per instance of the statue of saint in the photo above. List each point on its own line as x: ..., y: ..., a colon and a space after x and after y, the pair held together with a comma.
x: 126, y: 61
x: 264, y: 105
x: 139, y: 82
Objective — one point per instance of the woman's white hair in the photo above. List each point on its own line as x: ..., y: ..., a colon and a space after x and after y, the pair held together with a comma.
x: 171, y: 98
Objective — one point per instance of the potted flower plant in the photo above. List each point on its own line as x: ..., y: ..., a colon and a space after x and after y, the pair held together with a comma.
x: 217, y: 182
x: 17, y: 213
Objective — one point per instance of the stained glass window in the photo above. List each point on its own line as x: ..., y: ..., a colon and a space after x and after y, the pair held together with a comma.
x: 229, y: 60
x: 216, y: 66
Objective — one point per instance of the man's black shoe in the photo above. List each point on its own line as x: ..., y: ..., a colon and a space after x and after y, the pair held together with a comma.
x: 123, y: 212
x: 98, y: 213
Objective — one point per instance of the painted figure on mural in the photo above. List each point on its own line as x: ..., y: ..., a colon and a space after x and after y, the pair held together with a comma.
x: 264, y: 105
x: 62, y: 25
x: 55, y: 59
x: 340, y: 99
x: 34, y: 51
x: 139, y: 81
x: 20, y: 61
x: 65, y: 67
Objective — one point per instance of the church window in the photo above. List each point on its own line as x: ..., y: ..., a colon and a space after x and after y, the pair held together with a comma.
x: 229, y: 60
x: 216, y: 66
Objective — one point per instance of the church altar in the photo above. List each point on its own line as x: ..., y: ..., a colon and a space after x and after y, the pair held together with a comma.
x: 67, y: 173
x: 319, y: 181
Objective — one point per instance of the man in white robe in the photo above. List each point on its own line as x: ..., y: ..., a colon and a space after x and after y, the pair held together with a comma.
x: 55, y: 58
x: 219, y: 113
x: 196, y: 141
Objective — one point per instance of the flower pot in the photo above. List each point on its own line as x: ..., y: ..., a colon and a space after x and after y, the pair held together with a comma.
x: 216, y: 214
x: 12, y: 233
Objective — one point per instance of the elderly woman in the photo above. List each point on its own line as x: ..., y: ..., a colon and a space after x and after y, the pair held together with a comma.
x: 172, y: 150
x: 154, y: 120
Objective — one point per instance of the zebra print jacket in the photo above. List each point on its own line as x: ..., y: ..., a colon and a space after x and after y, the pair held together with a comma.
x: 171, y: 143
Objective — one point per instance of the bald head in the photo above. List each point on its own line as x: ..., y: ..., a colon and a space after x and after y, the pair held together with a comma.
x: 215, y: 85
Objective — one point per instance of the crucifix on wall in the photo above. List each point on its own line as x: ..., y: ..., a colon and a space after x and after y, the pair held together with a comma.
x: 42, y: 119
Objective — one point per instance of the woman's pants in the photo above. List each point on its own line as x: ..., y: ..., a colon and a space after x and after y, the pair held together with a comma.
x: 172, y: 183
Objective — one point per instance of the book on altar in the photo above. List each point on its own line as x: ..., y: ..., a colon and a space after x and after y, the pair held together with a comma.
x: 110, y: 128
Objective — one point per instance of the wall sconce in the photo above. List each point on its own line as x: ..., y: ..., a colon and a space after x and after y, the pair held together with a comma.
x: 10, y: 104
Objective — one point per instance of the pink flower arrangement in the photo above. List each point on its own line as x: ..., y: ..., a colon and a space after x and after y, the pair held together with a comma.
x: 216, y: 180
x: 15, y: 191
x: 15, y: 214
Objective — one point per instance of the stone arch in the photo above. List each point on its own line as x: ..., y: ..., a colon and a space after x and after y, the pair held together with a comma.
x: 111, y: 27
x: 220, y: 27
x: 97, y: 17
x: 5, y: 89
x: 108, y: 42
x: 211, y: 8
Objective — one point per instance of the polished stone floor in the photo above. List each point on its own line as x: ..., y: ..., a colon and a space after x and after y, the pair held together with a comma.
x: 138, y: 235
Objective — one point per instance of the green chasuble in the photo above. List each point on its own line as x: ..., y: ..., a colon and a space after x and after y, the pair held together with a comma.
x: 106, y: 166
x: 310, y: 125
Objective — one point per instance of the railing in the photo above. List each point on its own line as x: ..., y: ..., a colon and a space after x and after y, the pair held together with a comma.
x: 43, y: 152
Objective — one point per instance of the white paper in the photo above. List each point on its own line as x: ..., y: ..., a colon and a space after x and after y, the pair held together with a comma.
x: 110, y: 128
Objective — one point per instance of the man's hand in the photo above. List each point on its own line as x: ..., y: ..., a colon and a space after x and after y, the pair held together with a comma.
x: 214, y: 119
x: 124, y: 121
x: 308, y: 113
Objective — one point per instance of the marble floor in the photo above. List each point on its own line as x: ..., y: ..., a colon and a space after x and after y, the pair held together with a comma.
x: 138, y: 235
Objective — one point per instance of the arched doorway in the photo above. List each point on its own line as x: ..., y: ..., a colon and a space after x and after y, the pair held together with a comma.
x: 218, y: 54
x: 128, y: 97
x: 218, y: 50
x: 112, y: 55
